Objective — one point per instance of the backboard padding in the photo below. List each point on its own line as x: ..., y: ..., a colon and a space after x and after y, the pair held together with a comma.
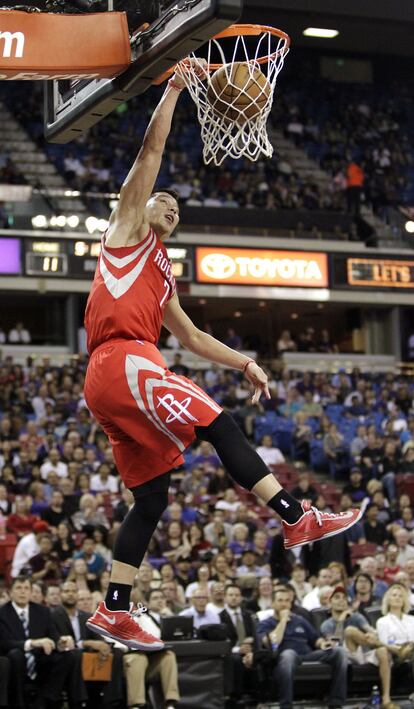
x: 71, y: 110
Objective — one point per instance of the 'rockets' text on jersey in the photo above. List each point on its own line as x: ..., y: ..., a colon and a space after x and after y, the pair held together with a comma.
x: 131, y: 288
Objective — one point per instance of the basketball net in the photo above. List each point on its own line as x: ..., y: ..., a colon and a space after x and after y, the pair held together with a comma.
x: 239, y: 136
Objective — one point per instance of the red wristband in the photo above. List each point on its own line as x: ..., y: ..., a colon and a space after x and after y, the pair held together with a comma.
x: 174, y: 86
x: 250, y: 361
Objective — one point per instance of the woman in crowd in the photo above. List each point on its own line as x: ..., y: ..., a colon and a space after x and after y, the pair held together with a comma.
x: 339, y: 577
x: 167, y: 572
x: 239, y: 539
x: 263, y: 596
x: 38, y: 494
x: 396, y: 627
x: 203, y: 582
x: 79, y: 574
x: 174, y: 544
x: 298, y: 581
x: 82, y: 484
x: 222, y: 570
x: 89, y: 516
x: 100, y: 535
x: 196, y: 541
x: 8, y: 478
x: 64, y: 546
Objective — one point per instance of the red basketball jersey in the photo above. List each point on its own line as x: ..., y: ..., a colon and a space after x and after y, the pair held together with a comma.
x: 131, y: 288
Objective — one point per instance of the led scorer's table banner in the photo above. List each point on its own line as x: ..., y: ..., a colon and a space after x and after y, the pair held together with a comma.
x: 260, y: 267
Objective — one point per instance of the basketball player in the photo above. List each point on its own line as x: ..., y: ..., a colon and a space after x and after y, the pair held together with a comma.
x: 150, y: 414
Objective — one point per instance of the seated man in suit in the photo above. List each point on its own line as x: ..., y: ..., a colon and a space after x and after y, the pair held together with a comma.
x: 242, y: 635
x: 33, y: 647
x: 71, y: 623
x: 141, y: 666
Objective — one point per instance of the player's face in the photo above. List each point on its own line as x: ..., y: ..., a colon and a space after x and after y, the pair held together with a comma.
x: 162, y: 214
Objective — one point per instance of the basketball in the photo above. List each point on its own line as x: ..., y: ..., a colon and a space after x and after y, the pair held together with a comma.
x: 239, y: 92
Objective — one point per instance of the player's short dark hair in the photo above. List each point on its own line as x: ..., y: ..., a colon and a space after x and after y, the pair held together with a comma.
x: 173, y: 193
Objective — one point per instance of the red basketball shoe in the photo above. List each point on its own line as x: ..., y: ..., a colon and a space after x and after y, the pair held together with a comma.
x: 314, y: 525
x: 121, y: 626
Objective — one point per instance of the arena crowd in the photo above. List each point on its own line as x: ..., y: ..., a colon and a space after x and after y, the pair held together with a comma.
x: 339, y: 440
x: 357, y: 133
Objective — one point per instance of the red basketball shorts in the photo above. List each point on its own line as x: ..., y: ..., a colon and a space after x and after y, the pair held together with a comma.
x: 148, y: 412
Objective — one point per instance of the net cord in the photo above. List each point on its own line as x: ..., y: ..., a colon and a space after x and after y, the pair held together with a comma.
x: 224, y: 135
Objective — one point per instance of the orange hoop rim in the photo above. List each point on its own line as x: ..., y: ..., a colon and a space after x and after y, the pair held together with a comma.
x: 250, y: 30
x: 242, y: 30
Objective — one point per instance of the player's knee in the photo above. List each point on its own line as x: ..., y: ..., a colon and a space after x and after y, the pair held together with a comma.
x: 222, y: 426
x: 152, y: 505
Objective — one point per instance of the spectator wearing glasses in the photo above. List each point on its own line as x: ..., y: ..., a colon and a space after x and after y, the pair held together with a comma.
x: 198, y: 610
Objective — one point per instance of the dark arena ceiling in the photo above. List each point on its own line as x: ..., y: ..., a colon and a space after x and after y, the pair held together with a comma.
x: 367, y: 26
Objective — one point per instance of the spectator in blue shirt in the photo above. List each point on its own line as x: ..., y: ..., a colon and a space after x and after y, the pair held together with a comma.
x: 207, y: 458
x: 296, y: 641
x: 94, y: 561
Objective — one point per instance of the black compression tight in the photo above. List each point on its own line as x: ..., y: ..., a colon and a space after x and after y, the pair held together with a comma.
x: 239, y: 458
x: 136, y: 530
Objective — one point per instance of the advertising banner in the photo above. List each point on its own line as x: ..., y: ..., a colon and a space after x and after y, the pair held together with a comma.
x: 389, y: 273
x: 260, y: 267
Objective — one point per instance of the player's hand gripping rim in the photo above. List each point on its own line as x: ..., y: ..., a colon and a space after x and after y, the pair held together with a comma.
x: 185, y: 68
x: 256, y: 376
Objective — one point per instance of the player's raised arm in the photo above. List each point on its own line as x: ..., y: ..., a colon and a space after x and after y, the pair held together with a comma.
x: 127, y: 220
x: 127, y: 224
x: 204, y: 345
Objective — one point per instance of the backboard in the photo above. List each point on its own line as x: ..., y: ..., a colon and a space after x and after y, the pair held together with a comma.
x: 72, y: 107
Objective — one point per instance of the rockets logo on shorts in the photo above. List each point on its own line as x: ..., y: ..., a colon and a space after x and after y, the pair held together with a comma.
x: 172, y: 404
x: 177, y: 409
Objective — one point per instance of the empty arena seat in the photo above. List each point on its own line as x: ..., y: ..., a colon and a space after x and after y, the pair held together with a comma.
x: 359, y: 551
x: 318, y: 616
x: 405, y: 484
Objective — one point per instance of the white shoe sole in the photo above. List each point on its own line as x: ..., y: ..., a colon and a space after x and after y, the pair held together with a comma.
x: 132, y: 644
x: 328, y: 534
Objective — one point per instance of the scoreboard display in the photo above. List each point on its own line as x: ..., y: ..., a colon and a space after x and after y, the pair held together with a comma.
x: 75, y: 258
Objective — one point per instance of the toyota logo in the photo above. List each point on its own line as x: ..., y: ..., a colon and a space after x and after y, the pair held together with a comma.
x: 218, y: 266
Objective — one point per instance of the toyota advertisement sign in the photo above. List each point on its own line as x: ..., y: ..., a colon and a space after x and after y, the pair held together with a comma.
x: 260, y: 267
